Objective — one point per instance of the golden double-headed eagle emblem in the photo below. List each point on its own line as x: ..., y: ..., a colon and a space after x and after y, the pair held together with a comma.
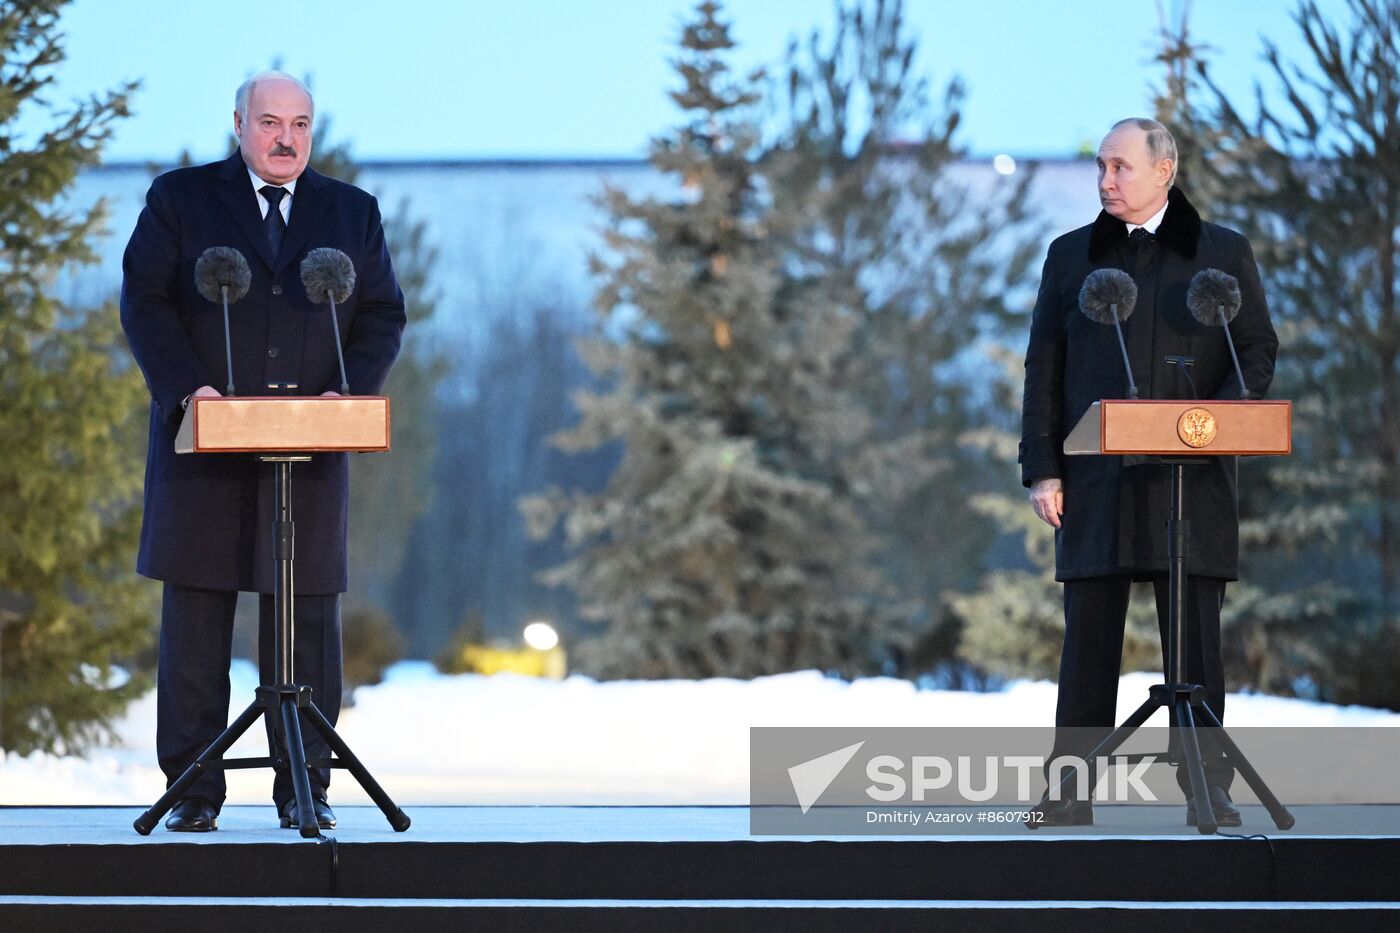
x: 1196, y: 427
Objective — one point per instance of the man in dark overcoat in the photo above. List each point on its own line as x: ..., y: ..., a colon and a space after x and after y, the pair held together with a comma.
x: 1110, y: 515
x: 207, y: 528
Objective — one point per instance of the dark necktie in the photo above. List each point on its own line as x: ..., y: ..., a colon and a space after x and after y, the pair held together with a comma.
x: 1142, y: 247
x: 276, y: 226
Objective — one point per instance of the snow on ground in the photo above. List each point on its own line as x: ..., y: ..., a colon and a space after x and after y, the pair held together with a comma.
x: 467, y: 739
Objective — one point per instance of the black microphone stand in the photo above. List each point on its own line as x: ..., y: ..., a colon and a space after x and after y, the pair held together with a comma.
x: 228, y: 341
x: 281, y: 701
x: 339, y: 354
x: 1186, y: 701
x: 1123, y: 348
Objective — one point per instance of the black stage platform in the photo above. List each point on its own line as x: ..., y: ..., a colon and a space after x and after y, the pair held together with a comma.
x: 691, y: 868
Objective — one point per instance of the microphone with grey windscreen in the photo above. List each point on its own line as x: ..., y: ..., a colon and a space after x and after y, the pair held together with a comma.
x: 222, y: 276
x: 329, y: 275
x: 1213, y: 298
x: 1108, y: 296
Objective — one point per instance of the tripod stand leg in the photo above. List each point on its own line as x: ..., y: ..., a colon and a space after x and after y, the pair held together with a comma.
x: 396, y: 817
x: 147, y: 821
x: 1282, y: 818
x: 296, y: 761
x: 1195, y: 770
x: 1118, y: 736
x: 1109, y: 744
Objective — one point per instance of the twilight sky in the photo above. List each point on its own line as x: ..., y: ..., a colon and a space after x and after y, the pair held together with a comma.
x: 579, y: 78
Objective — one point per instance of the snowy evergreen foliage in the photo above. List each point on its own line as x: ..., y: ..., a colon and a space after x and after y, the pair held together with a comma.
x: 1315, y: 184
x: 730, y: 539
x: 935, y: 274
x: 73, y: 616
x: 797, y: 327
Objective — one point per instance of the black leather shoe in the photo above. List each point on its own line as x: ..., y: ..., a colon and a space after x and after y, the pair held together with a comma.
x: 1062, y: 813
x: 1220, y: 804
x: 325, y: 816
x: 193, y: 815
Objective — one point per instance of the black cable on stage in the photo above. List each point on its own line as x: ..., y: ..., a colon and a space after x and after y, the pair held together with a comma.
x: 335, y: 861
x: 1273, y: 858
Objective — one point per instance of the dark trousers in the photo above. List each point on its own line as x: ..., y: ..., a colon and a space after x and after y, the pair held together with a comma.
x: 192, y: 686
x: 1095, y: 612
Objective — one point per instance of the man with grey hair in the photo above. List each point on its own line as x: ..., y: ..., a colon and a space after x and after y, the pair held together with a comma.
x: 245, y: 91
x: 207, y: 530
x: 1110, y: 515
x: 1160, y: 143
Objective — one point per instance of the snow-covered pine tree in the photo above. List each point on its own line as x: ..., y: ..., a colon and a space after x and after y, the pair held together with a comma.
x: 728, y: 541
x: 1315, y: 184
x: 935, y: 263
x: 73, y: 614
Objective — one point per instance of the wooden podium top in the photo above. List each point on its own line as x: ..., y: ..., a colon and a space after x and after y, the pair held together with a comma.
x: 299, y: 424
x: 1196, y: 427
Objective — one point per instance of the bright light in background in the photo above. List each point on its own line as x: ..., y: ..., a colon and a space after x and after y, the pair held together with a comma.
x: 541, y: 636
x: 1004, y: 164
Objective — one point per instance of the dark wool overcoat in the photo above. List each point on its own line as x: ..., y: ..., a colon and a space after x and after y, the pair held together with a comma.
x: 1116, y: 512
x: 208, y: 517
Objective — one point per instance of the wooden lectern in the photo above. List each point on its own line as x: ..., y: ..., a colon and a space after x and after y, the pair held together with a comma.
x: 312, y: 424
x: 1194, y: 428
x: 283, y: 431
x: 1178, y: 434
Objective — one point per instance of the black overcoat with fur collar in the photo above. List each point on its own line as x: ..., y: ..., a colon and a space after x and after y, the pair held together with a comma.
x: 1115, y: 513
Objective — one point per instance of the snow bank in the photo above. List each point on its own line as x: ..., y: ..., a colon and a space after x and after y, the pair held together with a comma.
x: 468, y: 739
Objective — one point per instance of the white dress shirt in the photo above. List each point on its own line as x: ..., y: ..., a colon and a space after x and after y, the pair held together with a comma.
x: 285, y: 207
x: 1150, y: 225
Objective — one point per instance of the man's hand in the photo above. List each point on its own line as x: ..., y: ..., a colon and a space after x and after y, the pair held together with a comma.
x: 1048, y: 500
x: 330, y: 393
